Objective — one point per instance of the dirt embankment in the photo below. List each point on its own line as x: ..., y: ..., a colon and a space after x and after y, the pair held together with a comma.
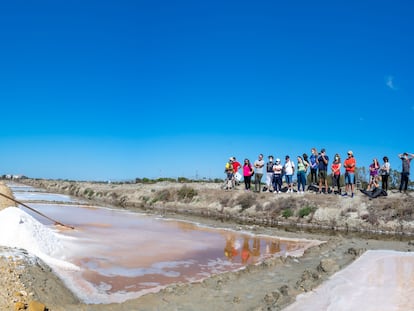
x: 4, y: 202
x: 393, y: 214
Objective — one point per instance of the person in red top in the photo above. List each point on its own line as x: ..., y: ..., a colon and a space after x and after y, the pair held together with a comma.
x: 336, y: 172
x: 349, y: 165
x: 236, y: 167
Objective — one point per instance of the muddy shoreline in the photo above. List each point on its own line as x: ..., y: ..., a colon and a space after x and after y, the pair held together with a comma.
x: 271, y: 285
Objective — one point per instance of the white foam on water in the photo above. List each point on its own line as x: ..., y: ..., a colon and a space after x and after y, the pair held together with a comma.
x: 378, y: 280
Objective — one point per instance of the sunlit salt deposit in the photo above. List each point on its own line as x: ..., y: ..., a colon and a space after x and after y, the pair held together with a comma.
x: 378, y: 280
x: 20, y: 230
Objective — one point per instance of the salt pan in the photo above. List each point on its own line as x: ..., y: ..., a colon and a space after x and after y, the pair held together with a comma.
x: 20, y: 230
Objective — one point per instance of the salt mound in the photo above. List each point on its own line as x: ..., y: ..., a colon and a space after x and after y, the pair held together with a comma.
x: 20, y: 230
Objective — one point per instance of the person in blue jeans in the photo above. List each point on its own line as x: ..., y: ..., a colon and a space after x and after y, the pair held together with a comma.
x: 277, y: 176
x: 289, y: 169
x: 301, y: 175
x: 406, y: 161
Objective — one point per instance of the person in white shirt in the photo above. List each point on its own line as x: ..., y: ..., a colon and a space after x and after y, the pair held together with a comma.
x: 277, y: 176
x: 385, y: 172
x: 289, y: 168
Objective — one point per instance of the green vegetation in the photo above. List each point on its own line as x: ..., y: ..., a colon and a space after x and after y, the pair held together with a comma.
x: 306, y: 211
x: 287, y: 213
x: 88, y: 192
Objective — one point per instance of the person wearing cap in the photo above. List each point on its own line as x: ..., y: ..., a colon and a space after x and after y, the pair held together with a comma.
x: 406, y: 161
x: 323, y: 160
x: 258, y: 165
x: 230, y: 174
x: 269, y: 173
x: 336, y: 173
x: 277, y: 176
x: 349, y: 165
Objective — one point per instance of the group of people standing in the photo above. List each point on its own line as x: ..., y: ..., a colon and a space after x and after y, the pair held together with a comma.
x: 317, y: 164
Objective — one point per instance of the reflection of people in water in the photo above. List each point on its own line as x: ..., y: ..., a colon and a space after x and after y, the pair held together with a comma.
x: 274, y: 247
x: 256, y: 247
x: 246, y: 252
x: 230, y: 250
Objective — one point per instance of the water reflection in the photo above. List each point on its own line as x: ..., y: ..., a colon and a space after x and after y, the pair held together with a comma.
x: 122, y: 255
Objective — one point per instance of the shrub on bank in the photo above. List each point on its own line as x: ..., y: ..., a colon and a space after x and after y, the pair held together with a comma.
x: 245, y: 200
x: 303, y: 212
x: 186, y: 193
x: 287, y: 213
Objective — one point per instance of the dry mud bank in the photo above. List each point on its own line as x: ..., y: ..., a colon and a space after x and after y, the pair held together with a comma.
x: 393, y: 214
x: 269, y: 286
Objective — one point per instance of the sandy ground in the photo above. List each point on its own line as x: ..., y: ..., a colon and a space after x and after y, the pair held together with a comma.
x: 268, y: 286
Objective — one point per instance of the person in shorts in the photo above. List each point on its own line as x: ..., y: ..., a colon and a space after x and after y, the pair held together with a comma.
x: 289, y: 168
x: 349, y: 165
x: 323, y: 160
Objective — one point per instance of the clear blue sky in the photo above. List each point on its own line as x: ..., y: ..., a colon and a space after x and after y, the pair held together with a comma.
x: 106, y: 90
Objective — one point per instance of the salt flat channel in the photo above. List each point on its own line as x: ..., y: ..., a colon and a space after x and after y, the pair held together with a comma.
x: 378, y: 280
x: 115, y: 255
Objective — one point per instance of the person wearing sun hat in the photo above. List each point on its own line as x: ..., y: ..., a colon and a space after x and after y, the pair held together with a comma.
x: 349, y: 165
